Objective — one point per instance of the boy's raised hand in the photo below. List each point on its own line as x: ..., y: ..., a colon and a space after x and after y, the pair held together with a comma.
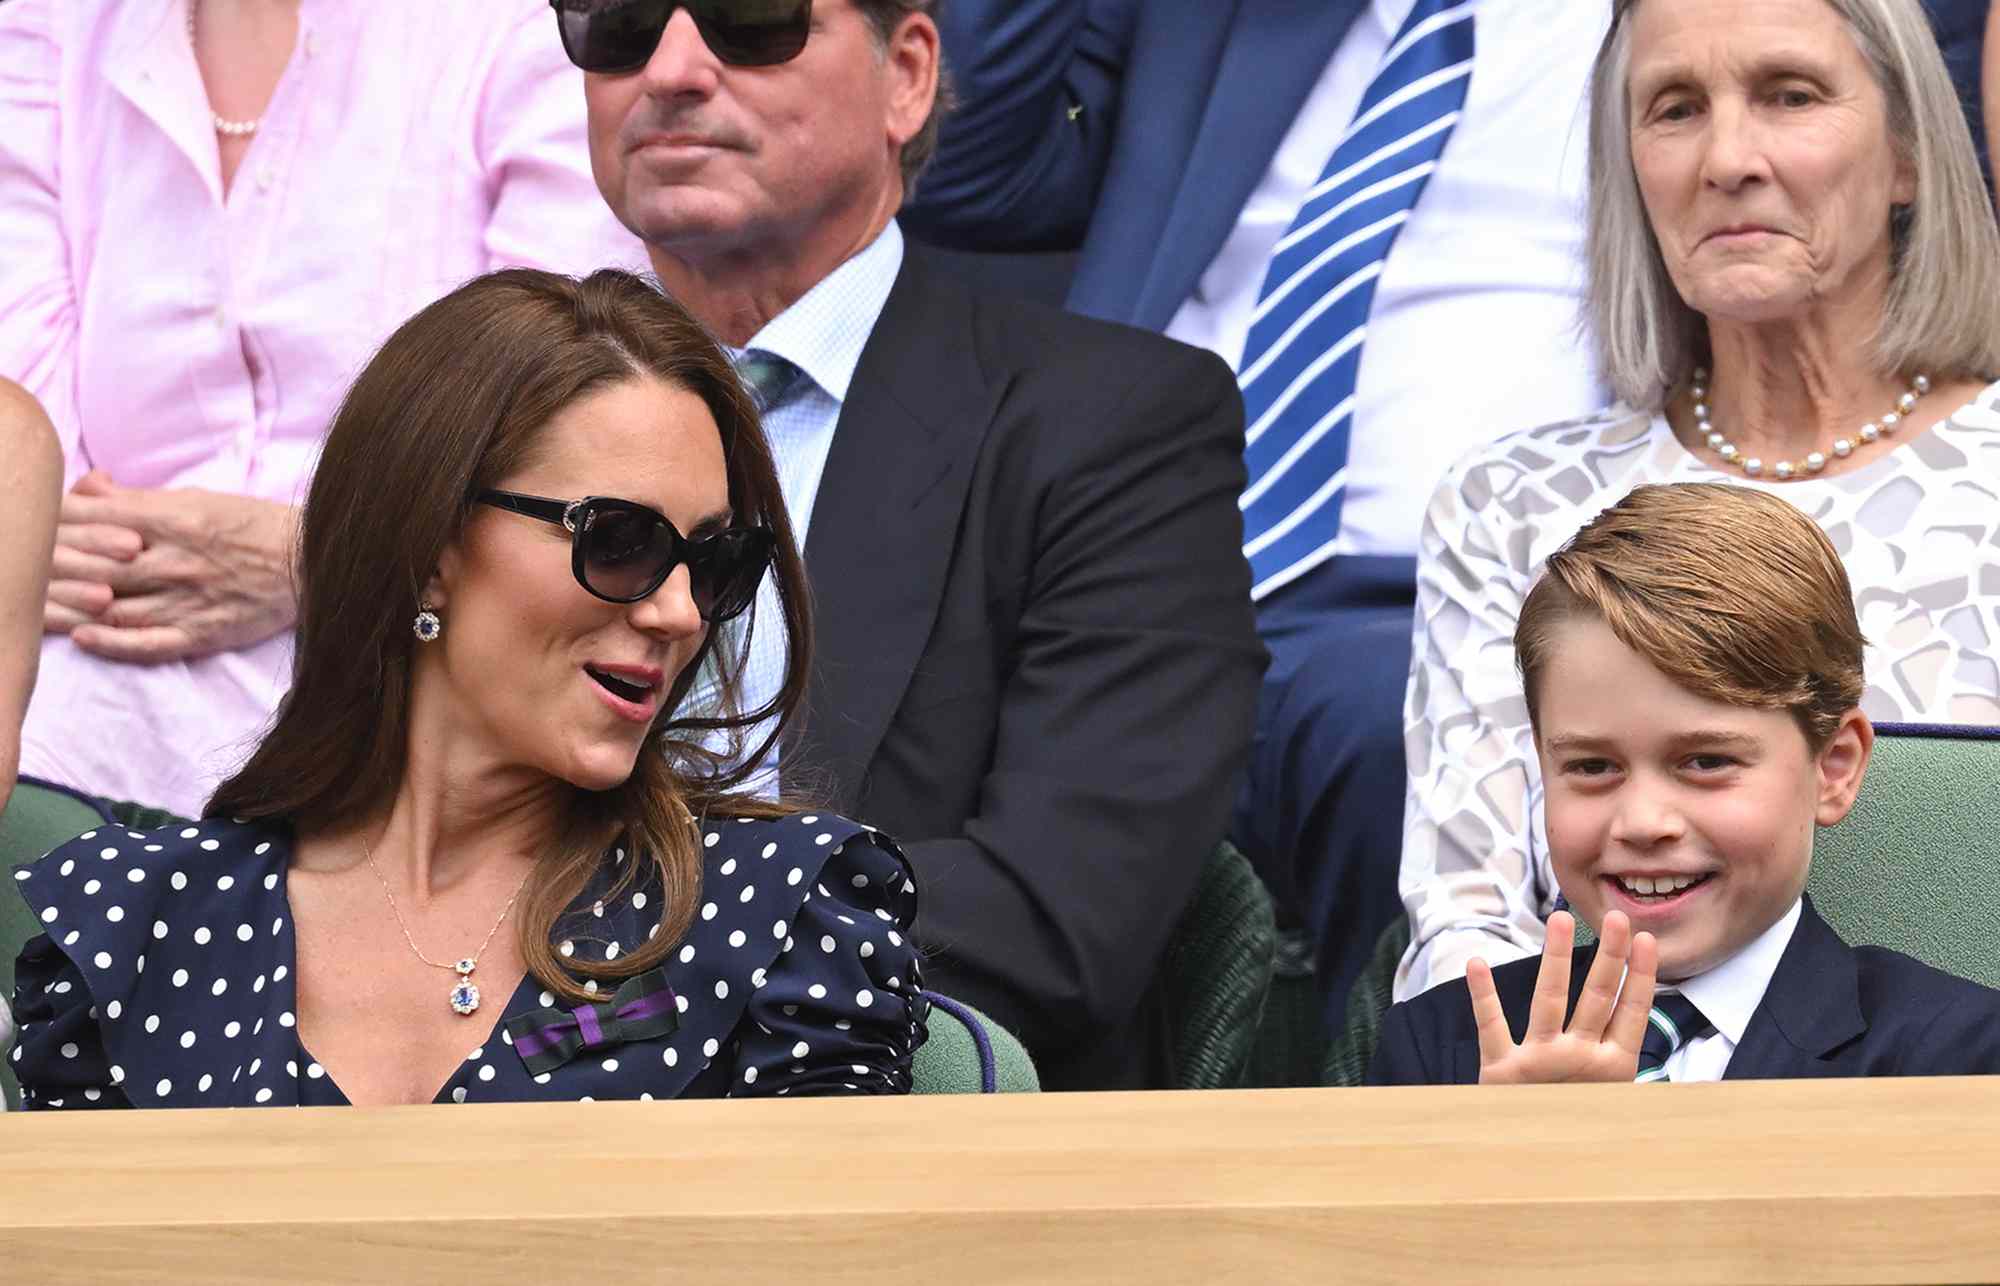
x: 1603, y: 1038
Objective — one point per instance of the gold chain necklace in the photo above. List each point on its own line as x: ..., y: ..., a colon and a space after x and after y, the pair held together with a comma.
x: 464, y: 997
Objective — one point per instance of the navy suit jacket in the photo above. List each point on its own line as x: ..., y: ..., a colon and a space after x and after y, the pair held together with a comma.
x: 1831, y: 1010
x: 1135, y: 130
x: 1131, y: 128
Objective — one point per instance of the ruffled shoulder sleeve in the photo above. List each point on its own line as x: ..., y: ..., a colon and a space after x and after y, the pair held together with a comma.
x: 144, y: 933
x: 840, y: 1009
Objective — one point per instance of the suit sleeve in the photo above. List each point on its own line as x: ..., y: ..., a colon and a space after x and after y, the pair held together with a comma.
x: 1126, y: 712
x: 1399, y: 1055
x: 1020, y: 159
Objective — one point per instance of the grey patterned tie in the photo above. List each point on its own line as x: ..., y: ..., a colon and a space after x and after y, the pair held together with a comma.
x: 769, y: 376
x: 1673, y: 1023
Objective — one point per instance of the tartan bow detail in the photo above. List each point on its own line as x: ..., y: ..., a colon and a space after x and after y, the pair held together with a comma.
x: 643, y: 1008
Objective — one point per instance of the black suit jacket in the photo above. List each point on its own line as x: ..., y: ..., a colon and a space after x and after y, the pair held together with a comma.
x: 1037, y: 663
x: 1831, y: 1010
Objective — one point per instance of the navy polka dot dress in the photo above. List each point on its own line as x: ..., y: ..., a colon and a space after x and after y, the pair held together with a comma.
x: 164, y: 978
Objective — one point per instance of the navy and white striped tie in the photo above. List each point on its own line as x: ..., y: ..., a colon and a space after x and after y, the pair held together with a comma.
x: 1304, y: 347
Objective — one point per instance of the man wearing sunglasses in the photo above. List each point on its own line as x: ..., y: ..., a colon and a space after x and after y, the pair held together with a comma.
x: 1037, y: 665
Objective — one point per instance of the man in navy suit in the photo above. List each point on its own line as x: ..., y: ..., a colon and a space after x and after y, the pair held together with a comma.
x: 1693, y: 670
x: 1034, y: 661
x: 1173, y: 143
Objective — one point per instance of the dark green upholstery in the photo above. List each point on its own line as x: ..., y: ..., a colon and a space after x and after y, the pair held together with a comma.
x: 1218, y: 972
x: 37, y: 818
x: 951, y: 1060
x: 1915, y: 867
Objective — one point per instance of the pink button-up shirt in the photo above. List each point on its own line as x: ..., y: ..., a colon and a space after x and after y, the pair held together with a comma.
x: 181, y: 338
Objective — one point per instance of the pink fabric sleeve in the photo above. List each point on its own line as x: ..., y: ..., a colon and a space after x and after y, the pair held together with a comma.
x: 534, y: 147
x: 38, y: 316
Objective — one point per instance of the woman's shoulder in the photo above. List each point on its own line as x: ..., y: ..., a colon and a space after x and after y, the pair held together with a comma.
x: 1981, y: 414
x: 113, y: 895
x: 1549, y: 449
x: 758, y: 861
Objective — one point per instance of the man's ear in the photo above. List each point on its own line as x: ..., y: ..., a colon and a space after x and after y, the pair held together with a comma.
x: 1841, y: 765
x: 913, y: 64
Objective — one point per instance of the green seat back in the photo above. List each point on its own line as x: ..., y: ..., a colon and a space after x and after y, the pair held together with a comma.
x: 969, y: 1053
x: 1916, y: 865
x: 37, y: 819
x: 1217, y: 972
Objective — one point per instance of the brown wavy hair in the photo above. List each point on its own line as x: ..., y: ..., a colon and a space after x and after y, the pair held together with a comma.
x: 450, y: 406
x: 1734, y: 594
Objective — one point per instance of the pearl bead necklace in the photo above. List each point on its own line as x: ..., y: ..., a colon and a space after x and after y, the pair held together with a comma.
x: 223, y: 125
x: 1785, y: 470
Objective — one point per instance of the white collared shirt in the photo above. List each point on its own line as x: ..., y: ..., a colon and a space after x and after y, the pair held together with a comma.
x: 1727, y: 996
x: 822, y: 334
x: 1476, y: 325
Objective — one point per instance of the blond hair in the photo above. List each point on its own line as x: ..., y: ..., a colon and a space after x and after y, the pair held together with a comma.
x: 1734, y: 594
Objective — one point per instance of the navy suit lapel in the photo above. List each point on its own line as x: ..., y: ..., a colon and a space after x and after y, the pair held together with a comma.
x: 1811, y: 1008
x: 1275, y: 53
x: 885, y: 524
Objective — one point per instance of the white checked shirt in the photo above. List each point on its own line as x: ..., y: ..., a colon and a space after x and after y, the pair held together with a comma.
x: 1728, y: 995
x: 822, y: 334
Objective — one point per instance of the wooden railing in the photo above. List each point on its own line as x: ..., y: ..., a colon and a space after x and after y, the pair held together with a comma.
x: 1817, y: 1182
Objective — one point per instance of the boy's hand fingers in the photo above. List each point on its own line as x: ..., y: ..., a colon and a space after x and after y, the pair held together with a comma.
x: 1495, y: 1041
x: 1551, y: 1003
x: 1635, y: 1003
x: 1600, y: 986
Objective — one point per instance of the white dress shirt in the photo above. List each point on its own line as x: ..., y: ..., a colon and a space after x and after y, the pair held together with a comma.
x: 822, y: 334
x: 1476, y: 326
x: 1727, y: 996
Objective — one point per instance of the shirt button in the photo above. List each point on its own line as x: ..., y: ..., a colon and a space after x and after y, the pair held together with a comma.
x: 221, y: 319
x: 312, y: 43
x: 264, y: 179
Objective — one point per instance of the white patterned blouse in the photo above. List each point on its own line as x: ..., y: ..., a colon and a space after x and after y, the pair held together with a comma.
x: 1919, y: 532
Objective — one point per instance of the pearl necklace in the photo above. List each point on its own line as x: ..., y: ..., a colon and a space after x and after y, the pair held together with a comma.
x: 1785, y: 470
x: 234, y: 129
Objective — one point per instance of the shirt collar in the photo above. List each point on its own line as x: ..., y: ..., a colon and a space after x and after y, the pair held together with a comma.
x: 825, y: 329
x: 1729, y: 994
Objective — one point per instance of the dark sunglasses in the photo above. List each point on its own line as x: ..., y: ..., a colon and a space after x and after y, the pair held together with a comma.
x: 620, y: 35
x: 621, y: 551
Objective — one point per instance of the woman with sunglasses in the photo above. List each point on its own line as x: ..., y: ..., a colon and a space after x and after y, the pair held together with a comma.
x: 480, y: 822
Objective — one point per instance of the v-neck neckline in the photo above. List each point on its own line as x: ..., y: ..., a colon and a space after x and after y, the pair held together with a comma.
x: 291, y: 981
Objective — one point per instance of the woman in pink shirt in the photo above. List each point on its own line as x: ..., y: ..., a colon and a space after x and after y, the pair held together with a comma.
x: 213, y: 211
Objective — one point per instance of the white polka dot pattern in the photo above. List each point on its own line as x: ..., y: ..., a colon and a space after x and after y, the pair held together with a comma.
x: 212, y: 1022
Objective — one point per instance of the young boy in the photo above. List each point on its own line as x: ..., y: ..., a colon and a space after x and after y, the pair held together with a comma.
x: 1692, y: 668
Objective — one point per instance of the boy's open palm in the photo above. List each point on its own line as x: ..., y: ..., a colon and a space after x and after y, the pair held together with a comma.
x: 1601, y: 1042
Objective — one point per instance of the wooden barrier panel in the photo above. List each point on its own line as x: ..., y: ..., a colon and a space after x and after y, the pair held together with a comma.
x: 1813, y: 1182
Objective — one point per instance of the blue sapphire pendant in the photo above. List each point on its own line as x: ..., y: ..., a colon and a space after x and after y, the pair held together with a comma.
x: 464, y: 992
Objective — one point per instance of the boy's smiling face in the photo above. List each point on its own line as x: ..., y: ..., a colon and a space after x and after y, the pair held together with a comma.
x: 1711, y: 806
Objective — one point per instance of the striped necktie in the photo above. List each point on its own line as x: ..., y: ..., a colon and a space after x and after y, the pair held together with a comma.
x: 1673, y: 1023
x: 769, y: 376
x: 1304, y: 347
